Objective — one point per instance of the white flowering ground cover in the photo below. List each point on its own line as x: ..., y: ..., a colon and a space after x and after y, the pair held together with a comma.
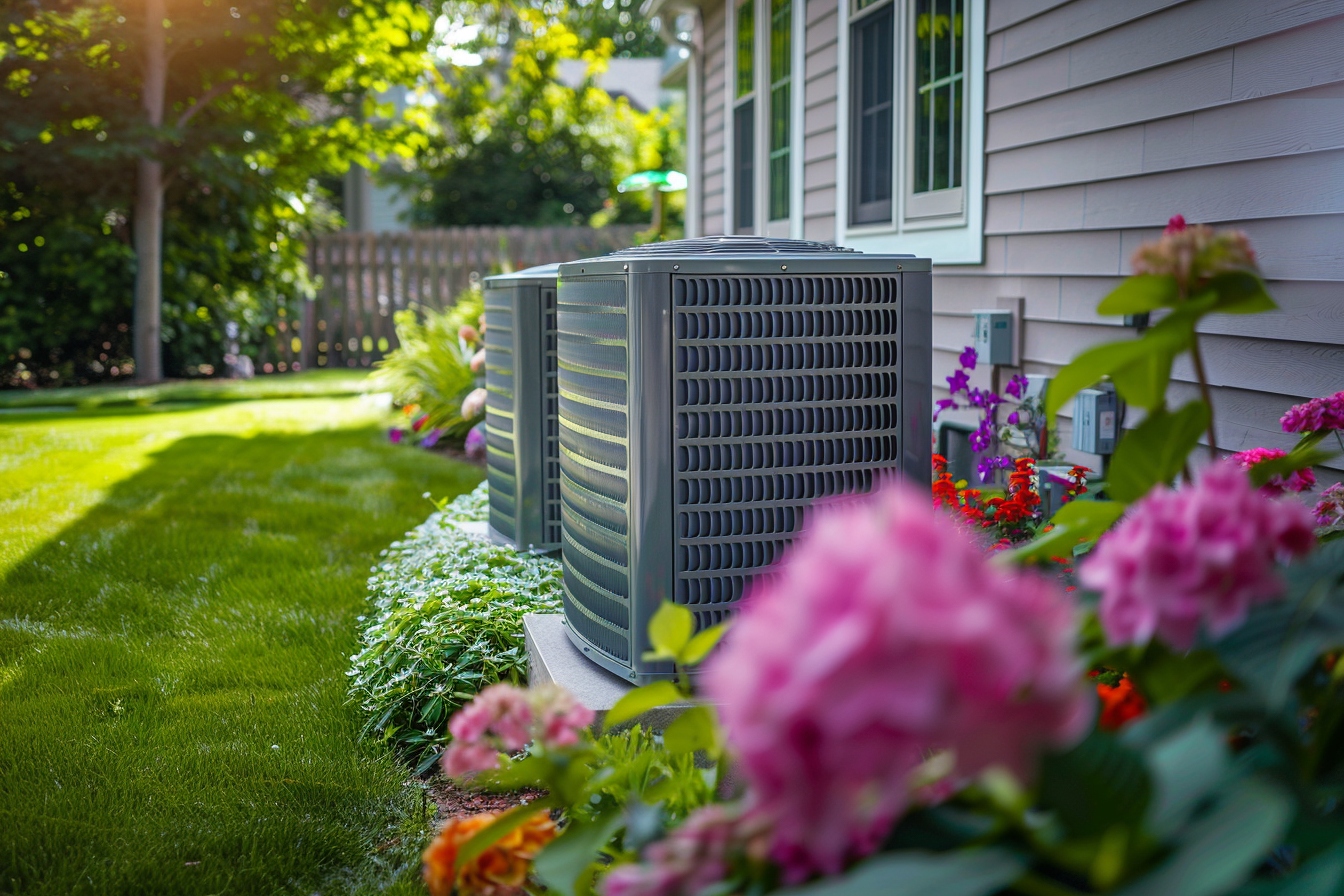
x: 445, y: 620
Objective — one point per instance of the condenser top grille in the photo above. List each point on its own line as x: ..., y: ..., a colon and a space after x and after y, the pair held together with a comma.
x: 728, y: 244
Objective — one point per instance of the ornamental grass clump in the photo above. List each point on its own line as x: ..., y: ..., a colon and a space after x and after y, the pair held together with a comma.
x: 1195, y: 558
x: 446, y: 620
x: 888, y: 636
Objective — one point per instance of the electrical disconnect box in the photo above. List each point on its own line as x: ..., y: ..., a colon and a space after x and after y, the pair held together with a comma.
x: 993, y: 336
x: 1096, y: 420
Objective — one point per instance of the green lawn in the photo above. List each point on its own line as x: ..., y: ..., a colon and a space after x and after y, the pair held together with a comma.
x: 308, y: 384
x: 178, y: 593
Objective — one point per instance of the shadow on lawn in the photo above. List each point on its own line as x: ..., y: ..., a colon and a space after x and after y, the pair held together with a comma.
x: 172, y: 675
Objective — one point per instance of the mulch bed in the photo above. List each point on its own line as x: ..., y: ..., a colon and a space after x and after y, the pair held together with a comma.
x: 452, y: 799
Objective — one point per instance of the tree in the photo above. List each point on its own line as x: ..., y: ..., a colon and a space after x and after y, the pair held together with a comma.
x: 517, y: 146
x: 157, y: 103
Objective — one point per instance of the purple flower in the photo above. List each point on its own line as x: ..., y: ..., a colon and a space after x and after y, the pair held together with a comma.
x: 431, y: 438
x: 1198, y: 557
x: 967, y: 358
x: 987, y: 465
x: 1014, y: 418
x: 958, y: 382
x: 943, y: 405
x: 475, y: 444
x: 888, y: 635
x: 394, y: 435
x: 1017, y: 386
x: 983, y: 436
x: 1330, y: 509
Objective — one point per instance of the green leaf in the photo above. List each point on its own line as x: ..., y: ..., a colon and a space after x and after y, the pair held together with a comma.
x: 699, y: 647
x: 1298, y: 459
x: 568, y: 856
x: 499, y: 828
x: 1321, y: 875
x: 1140, y: 293
x: 1186, y: 766
x: 1165, y: 677
x: 1074, y: 522
x: 1140, y: 368
x: 641, y: 700
x: 1220, y: 850
x: 1281, y: 640
x: 911, y: 873
x: 1155, y: 450
x: 1240, y: 292
x: 1096, y: 785
x: 669, y: 631
x: 695, y: 729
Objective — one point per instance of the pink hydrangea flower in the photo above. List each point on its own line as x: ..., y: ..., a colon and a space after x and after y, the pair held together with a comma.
x: 1329, y: 510
x: 506, y: 718
x: 694, y: 856
x: 1317, y: 414
x: 1194, y: 254
x: 474, y: 404
x: 1198, y: 557
x: 887, y: 636
x: 1303, y: 480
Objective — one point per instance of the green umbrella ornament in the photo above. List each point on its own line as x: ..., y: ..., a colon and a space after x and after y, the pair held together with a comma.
x: 665, y: 181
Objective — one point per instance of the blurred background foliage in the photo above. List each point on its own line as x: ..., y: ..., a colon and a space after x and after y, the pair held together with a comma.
x: 269, y: 102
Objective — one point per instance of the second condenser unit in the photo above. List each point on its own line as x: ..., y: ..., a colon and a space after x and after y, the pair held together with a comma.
x: 521, y: 429
x: 709, y: 391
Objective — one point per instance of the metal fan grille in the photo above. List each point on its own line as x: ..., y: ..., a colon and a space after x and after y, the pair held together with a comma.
x: 593, y: 365
x: 501, y: 465
x: 786, y: 392
x: 552, y: 434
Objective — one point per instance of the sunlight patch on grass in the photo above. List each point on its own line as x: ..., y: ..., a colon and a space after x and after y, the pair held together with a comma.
x: 178, y: 593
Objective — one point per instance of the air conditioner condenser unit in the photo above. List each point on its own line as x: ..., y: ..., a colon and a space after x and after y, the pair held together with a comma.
x: 521, y: 426
x: 710, y: 390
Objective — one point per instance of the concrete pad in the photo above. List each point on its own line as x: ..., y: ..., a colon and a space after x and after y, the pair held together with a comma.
x: 552, y: 657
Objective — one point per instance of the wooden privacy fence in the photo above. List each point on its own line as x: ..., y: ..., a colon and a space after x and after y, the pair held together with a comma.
x: 365, y: 277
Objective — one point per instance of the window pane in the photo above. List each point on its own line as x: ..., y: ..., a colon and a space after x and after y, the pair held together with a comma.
x: 938, y: 85
x: 744, y: 149
x: 872, y: 86
x: 746, y: 47
x: 781, y: 70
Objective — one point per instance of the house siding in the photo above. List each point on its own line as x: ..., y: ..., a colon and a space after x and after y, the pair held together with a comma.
x: 1102, y: 120
x: 713, y: 199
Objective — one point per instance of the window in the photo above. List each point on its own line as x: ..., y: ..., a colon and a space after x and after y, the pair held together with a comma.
x: 911, y: 130
x: 937, y: 120
x: 744, y: 120
x: 781, y: 110
x: 872, y: 108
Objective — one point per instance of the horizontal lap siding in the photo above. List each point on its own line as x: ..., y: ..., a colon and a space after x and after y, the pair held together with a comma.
x: 715, y: 123
x: 822, y: 81
x: 1104, y: 119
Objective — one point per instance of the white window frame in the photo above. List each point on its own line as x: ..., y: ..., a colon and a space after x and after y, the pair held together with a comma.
x: 792, y: 225
x: 956, y: 238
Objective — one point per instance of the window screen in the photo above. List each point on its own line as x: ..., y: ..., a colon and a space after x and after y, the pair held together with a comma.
x: 781, y: 81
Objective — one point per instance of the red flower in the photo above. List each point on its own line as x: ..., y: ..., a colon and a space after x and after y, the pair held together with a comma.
x: 1120, y: 703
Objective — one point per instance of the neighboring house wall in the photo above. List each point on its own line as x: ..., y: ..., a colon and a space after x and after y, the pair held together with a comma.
x: 1102, y: 119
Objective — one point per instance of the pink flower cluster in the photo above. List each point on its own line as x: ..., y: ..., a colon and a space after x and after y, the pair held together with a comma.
x: 1329, y: 510
x: 1317, y: 414
x: 1196, y: 557
x: 1303, y: 480
x: 505, y: 718
x: 695, y: 856
x: 887, y: 636
x: 473, y: 405
x: 1194, y: 254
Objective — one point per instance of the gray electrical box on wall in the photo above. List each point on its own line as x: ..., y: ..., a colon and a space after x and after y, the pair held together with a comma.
x: 993, y: 336
x: 711, y: 390
x: 521, y: 426
x: 1096, y: 420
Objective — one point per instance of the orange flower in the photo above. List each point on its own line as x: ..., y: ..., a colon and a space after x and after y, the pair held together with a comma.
x: 500, y: 870
x: 1120, y: 703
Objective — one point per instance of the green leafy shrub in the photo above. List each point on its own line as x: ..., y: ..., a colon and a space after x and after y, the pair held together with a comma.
x: 446, y: 620
x: 431, y: 369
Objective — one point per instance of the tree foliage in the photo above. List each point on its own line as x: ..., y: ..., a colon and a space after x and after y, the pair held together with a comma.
x: 262, y: 98
x: 515, y: 145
